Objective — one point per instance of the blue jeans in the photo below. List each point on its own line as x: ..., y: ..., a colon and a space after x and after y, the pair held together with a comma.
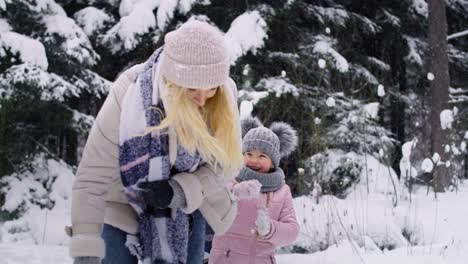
x: 196, y: 243
x: 116, y: 251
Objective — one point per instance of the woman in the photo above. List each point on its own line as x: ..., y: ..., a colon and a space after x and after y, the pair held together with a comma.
x: 170, y: 129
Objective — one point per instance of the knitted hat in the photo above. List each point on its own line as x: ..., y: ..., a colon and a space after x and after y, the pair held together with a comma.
x: 278, y: 141
x: 195, y: 56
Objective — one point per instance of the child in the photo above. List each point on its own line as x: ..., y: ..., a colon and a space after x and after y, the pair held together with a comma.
x: 268, y: 221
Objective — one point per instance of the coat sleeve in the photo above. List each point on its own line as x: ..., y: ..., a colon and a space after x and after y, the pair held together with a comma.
x: 208, y: 191
x: 285, y: 230
x: 98, y: 169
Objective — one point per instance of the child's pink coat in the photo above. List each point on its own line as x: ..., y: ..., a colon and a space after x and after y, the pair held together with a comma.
x: 240, y: 244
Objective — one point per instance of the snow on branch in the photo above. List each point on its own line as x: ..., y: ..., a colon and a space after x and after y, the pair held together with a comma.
x: 247, y: 33
x: 457, y: 35
x: 29, y: 50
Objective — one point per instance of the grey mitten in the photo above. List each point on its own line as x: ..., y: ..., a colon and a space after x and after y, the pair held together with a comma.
x: 86, y: 260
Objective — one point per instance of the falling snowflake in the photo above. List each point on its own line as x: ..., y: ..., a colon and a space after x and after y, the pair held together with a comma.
x: 430, y: 76
x: 322, y: 63
x: 380, y: 90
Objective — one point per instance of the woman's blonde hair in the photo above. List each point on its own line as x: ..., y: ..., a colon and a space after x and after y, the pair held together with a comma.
x: 211, y: 130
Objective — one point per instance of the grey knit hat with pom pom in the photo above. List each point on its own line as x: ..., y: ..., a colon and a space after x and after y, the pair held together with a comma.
x: 277, y: 142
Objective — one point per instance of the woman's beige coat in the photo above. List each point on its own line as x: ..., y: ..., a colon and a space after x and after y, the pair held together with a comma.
x: 98, y: 191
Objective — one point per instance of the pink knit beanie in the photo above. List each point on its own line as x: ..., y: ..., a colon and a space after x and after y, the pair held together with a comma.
x: 195, y: 56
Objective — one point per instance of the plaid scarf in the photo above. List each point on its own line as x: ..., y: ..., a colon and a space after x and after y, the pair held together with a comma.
x: 164, y: 234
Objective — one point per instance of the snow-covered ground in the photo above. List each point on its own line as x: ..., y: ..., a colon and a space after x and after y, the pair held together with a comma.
x: 378, y: 222
x: 438, y: 228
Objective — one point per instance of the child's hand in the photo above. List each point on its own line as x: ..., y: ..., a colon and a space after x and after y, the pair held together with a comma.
x: 247, y: 190
x: 263, y: 222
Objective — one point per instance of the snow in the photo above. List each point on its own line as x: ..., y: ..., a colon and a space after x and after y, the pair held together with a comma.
x: 45, y: 6
x: 466, y: 135
x: 379, y: 64
x: 362, y: 72
x: 278, y: 86
x: 245, y: 109
x: 420, y: 7
x: 49, y: 184
x: 91, y: 19
x: 76, y: 43
x: 351, y: 230
x: 322, y: 63
x: 330, y: 102
x: 380, y: 90
x: 458, y: 34
x: 4, y: 25
x: 446, y: 119
x: 124, y: 36
x: 3, y: 5
x: 53, y: 86
x: 165, y: 13
x: 186, y: 5
x: 283, y: 74
x: 447, y: 148
x: 82, y: 122
x: 436, y: 158
x: 430, y: 76
x: 253, y: 96
x: 415, y: 52
x: 392, y: 19
x: 371, y: 110
x: 427, y: 165
x: 317, y: 121
x: 324, y: 47
x: 406, y: 167
x: 336, y: 16
x: 327, y: 30
x: 247, y: 33
x: 29, y: 50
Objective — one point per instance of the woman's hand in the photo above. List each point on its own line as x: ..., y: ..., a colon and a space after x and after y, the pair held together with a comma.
x: 156, y: 194
x: 247, y: 190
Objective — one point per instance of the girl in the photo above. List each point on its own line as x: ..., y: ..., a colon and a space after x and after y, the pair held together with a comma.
x: 268, y: 221
x: 163, y: 140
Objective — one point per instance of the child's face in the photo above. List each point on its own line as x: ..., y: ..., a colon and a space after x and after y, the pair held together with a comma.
x: 257, y: 161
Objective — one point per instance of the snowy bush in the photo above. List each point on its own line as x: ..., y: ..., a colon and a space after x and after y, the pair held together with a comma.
x: 39, y: 200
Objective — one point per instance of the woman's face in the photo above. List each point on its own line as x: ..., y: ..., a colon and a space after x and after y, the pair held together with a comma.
x: 257, y: 161
x: 199, y: 96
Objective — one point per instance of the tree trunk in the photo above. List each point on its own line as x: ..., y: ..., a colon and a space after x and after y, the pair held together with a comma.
x: 439, y: 86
